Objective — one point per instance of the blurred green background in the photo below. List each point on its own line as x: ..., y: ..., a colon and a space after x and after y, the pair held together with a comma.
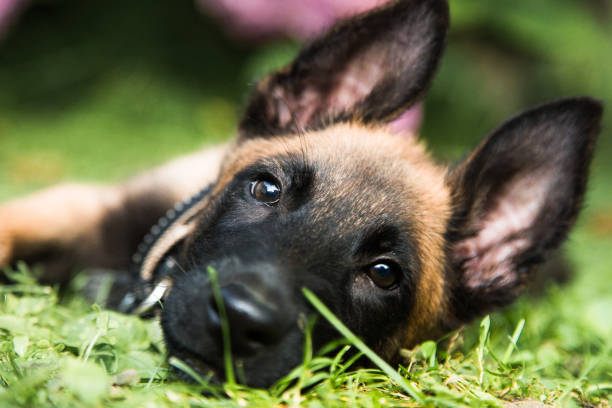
x: 98, y: 90
x: 101, y: 89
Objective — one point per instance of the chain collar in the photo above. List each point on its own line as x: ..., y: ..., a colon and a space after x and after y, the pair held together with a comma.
x: 154, y: 260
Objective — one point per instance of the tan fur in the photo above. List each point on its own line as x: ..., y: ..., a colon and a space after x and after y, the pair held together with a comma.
x: 181, y: 177
x: 57, y: 216
x: 70, y: 216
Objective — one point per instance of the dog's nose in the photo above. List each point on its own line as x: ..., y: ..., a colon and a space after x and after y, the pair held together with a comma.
x: 255, y: 322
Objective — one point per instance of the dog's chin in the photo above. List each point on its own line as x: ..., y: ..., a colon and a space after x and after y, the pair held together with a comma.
x: 261, y: 370
x: 204, y: 370
x: 215, y: 376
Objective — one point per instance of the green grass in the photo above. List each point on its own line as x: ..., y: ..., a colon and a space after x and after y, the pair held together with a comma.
x: 66, y: 352
x: 100, y: 90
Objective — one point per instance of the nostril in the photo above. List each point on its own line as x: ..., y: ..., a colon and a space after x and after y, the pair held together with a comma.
x: 213, y: 313
x: 255, y: 322
x: 256, y: 336
x: 260, y: 338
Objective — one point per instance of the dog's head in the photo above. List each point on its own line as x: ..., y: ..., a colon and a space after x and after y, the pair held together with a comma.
x: 317, y: 193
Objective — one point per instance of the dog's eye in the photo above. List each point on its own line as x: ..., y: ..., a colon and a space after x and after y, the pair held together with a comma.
x: 384, y: 275
x: 266, y: 191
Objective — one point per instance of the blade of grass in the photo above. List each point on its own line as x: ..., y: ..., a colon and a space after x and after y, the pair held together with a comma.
x: 338, y: 358
x: 16, y: 369
x: 513, y: 341
x: 307, y: 353
x: 175, y: 362
x: 485, y: 325
x: 411, y: 390
x: 202, y: 382
x: 225, y: 329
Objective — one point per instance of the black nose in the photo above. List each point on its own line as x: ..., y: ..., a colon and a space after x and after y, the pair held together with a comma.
x: 255, y: 322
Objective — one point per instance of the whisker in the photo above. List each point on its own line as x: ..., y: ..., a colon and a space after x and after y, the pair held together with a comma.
x: 176, y: 262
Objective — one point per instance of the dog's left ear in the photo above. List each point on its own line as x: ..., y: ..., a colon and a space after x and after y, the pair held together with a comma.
x: 367, y: 69
x: 515, y: 198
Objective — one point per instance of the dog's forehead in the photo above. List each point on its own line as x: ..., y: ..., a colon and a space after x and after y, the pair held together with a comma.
x: 369, y: 167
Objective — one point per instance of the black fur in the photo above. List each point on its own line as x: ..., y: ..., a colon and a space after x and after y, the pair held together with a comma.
x: 559, y: 138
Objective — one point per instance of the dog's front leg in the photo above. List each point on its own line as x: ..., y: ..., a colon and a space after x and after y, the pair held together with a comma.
x: 84, y: 225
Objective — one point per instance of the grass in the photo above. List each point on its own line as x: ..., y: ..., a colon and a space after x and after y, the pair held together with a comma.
x: 81, y: 102
x: 65, y: 352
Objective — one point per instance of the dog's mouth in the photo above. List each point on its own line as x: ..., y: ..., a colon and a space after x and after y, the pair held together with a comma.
x: 206, y: 370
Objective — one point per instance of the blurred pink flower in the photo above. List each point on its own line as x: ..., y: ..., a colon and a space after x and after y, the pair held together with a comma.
x: 409, y: 122
x: 257, y: 19
x: 9, y: 9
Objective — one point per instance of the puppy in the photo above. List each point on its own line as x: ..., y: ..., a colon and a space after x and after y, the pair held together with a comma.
x: 316, y: 193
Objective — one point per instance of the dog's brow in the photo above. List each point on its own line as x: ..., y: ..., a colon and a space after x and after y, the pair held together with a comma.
x: 295, y: 167
x: 387, y: 238
x: 378, y: 239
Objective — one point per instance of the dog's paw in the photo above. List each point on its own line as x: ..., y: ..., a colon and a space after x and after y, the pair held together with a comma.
x: 23, y: 238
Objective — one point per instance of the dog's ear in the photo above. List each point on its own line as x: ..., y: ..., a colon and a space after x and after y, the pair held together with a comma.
x: 366, y: 69
x: 514, y: 200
